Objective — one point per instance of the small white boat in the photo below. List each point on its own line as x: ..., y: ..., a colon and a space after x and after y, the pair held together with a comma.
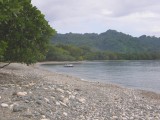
x: 68, y: 65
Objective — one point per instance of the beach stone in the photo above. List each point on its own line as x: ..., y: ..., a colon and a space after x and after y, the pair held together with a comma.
x: 29, y: 98
x: 40, y: 98
x: 60, y: 98
x: 0, y: 97
x: 68, y: 92
x: 43, y: 116
x: 71, y: 97
x: 76, y: 89
x: 26, y: 101
x: 47, y: 100
x: 28, y: 115
x: 21, y: 93
x: 62, y: 103
x: 11, y: 106
x: 57, y: 103
x: 14, y: 93
x: 19, y: 108
x: 53, y: 98
x: 66, y: 100
x: 60, y: 90
x: 114, y: 117
x: 36, y: 113
x: 82, y: 100
x: 4, y: 105
x: 45, y: 88
x: 39, y: 102
x: 64, y: 113
x: 100, y: 102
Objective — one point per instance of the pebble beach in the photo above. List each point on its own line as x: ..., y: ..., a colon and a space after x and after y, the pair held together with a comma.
x: 32, y: 93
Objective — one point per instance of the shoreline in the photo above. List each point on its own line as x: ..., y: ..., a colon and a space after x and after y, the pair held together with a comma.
x: 87, y: 80
x: 59, y: 62
x: 29, y: 92
x: 149, y: 93
x: 38, y: 65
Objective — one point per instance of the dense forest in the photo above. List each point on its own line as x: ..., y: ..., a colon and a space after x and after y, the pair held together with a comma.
x: 110, y: 45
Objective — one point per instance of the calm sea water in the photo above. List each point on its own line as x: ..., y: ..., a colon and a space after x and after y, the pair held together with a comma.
x: 136, y: 74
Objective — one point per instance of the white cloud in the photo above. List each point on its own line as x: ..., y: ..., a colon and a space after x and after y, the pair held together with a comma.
x: 135, y: 17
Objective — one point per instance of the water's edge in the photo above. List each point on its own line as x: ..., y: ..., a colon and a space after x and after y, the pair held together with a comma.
x: 92, y: 80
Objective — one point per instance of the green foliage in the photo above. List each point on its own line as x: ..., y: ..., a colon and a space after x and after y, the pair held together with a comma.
x: 3, y: 46
x: 72, y: 50
x: 110, y: 41
x: 110, y: 45
x: 70, y: 53
x: 9, y: 9
x: 24, y: 30
x: 58, y: 54
x: 65, y: 53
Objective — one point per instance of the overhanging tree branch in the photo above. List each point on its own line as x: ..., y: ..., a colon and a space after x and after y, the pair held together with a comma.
x: 5, y: 65
x: 25, y: 32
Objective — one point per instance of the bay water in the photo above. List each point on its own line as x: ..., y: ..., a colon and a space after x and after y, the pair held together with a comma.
x: 142, y: 74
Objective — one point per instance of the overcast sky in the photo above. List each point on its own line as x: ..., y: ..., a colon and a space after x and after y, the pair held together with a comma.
x: 134, y: 17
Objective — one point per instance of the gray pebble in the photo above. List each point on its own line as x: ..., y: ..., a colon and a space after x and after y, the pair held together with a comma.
x: 19, y: 108
x: 39, y: 102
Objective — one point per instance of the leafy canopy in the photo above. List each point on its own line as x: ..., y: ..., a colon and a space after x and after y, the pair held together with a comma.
x: 24, y: 32
x: 110, y: 40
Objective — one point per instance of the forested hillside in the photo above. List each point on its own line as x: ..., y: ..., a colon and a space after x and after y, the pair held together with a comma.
x: 110, y: 40
x: 110, y: 45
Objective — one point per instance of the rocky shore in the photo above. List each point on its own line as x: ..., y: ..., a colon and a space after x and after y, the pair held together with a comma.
x: 31, y: 93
